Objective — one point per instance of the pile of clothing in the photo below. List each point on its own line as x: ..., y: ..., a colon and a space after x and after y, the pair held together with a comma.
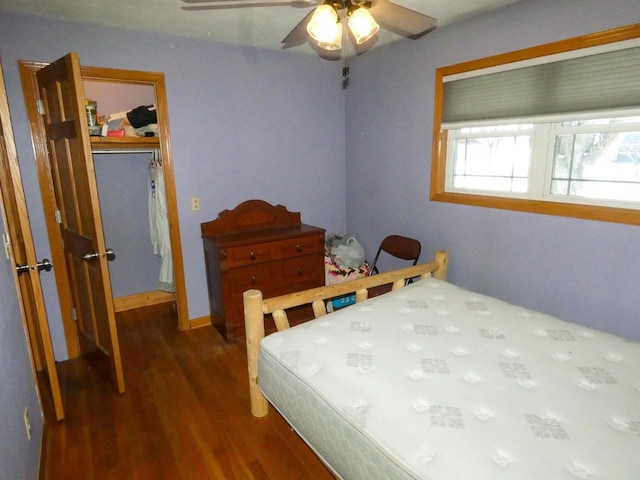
x: 142, y: 121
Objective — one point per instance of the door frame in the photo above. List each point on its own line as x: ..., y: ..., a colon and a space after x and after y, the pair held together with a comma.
x: 31, y: 95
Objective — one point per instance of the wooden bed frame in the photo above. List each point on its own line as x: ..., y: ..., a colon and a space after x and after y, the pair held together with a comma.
x: 255, y: 308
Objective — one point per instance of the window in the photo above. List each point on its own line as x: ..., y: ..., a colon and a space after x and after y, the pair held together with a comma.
x: 492, y: 159
x: 577, y: 161
x: 599, y: 161
x: 551, y: 134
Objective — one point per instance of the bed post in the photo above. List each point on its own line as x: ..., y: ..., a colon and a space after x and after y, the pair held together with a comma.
x: 254, y: 328
x: 442, y: 257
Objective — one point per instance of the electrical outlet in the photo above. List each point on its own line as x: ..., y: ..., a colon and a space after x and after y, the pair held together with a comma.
x: 27, y: 422
x: 195, y: 204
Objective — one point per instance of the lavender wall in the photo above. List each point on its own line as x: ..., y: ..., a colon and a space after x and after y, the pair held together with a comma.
x: 19, y: 457
x: 123, y: 189
x: 245, y: 123
x: 583, y: 271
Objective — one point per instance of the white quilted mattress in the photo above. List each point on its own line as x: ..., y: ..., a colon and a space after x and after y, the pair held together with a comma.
x: 435, y: 382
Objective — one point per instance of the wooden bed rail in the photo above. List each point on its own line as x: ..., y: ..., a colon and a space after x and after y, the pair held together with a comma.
x: 255, y: 308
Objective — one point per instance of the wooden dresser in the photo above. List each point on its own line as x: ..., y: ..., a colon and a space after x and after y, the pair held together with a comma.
x: 262, y: 246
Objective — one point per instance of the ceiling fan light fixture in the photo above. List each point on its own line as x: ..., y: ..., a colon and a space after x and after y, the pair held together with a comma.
x: 362, y: 25
x: 334, y: 42
x: 323, y: 26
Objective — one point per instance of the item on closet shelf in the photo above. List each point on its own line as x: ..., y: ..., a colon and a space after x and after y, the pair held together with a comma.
x: 142, y: 116
x: 150, y: 130
x: 113, y: 123
x: 140, y: 122
x: 92, y: 117
x: 92, y: 108
x: 116, y: 116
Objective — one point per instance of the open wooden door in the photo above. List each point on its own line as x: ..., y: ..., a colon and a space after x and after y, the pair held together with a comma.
x: 22, y: 250
x: 78, y: 213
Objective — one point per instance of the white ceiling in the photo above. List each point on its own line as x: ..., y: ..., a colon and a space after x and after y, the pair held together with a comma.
x: 258, y: 26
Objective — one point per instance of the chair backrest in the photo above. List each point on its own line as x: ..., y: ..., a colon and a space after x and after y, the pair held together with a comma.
x: 398, y: 246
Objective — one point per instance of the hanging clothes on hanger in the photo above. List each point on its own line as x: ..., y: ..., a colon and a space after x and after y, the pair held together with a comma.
x: 159, y: 223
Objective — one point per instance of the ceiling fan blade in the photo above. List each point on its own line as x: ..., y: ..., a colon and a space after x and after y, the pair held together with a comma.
x: 227, y: 4
x: 404, y: 21
x: 298, y: 35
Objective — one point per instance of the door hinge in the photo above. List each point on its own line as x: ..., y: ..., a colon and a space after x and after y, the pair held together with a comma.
x: 58, y: 216
x: 74, y: 314
x: 7, y: 244
x: 40, y: 106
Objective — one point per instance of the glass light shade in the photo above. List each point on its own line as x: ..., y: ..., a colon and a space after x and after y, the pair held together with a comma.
x: 323, y: 24
x: 333, y: 42
x: 362, y: 25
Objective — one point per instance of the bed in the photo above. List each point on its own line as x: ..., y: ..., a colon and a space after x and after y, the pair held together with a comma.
x: 432, y: 381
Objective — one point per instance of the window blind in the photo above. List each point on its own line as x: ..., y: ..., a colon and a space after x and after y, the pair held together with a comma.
x: 602, y: 81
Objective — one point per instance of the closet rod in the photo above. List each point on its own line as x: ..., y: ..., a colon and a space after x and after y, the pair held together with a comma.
x: 125, y: 150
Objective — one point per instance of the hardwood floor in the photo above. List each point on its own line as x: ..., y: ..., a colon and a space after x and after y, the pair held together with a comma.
x: 185, y: 413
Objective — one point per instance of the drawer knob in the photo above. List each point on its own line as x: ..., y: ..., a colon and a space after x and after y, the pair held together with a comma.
x: 298, y: 248
x: 299, y: 272
x: 252, y: 256
x: 253, y: 280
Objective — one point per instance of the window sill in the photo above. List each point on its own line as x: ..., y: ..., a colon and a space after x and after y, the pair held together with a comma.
x: 589, y: 212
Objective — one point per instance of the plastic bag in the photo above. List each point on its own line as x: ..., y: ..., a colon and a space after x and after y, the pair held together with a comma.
x: 347, y: 253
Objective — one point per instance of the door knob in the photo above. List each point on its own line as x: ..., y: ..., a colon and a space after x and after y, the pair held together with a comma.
x: 45, y: 265
x: 88, y: 257
x: 22, y: 268
x: 109, y: 254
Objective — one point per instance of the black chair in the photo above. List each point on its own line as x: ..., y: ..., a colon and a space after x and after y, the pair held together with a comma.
x: 397, y: 246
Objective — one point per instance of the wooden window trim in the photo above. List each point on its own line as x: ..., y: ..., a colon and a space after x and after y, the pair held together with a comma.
x: 439, y: 148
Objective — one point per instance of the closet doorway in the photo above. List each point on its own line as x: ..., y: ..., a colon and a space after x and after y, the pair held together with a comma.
x: 103, y: 82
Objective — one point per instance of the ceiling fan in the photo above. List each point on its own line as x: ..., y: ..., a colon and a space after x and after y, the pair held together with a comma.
x: 331, y: 21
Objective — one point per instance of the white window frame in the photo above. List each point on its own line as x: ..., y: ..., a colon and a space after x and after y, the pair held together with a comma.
x: 455, y: 134
x: 542, y: 135
x: 557, y: 129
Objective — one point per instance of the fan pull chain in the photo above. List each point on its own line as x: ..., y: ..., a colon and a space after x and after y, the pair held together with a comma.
x: 345, y: 66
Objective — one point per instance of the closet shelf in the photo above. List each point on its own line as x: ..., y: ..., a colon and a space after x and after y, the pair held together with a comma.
x: 117, y: 143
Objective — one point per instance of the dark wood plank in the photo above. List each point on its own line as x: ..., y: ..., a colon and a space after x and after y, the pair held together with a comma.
x: 185, y: 413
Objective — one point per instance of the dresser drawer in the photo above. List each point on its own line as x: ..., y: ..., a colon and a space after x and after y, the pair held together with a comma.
x: 301, y: 246
x: 302, y: 272
x: 259, y: 276
x: 250, y: 254
x: 277, y: 278
x: 271, y: 251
